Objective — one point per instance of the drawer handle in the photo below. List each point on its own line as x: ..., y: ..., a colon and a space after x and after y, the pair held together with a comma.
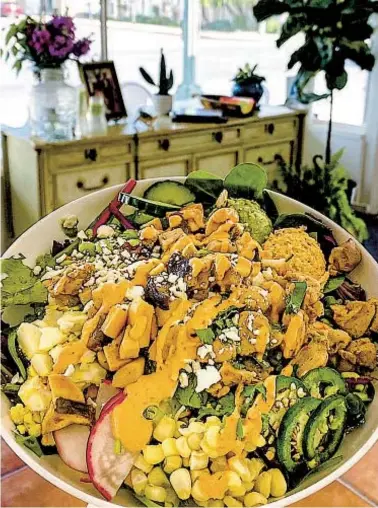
x: 104, y: 181
x: 269, y: 128
x: 277, y: 158
x: 218, y: 136
x: 164, y: 144
x: 90, y: 154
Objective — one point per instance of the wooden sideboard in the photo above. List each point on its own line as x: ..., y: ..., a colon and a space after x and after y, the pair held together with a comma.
x: 40, y: 176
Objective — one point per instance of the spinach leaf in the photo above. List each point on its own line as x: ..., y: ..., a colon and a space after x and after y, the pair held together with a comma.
x: 246, y: 180
x: 29, y: 442
x: 295, y: 300
x: 206, y: 335
x: 333, y: 283
x: 251, y: 391
x: 188, y: 396
x: 20, y: 286
x: 219, y: 407
x: 12, y: 348
x: 206, y: 186
x: 239, y: 429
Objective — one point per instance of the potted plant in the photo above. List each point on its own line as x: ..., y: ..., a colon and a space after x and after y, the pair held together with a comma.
x: 248, y: 84
x: 335, y: 31
x: 48, y: 45
x: 162, y: 100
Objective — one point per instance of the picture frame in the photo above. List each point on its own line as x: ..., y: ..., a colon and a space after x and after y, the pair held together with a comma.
x: 102, y: 77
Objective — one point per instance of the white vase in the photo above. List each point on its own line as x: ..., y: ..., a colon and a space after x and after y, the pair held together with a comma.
x: 53, y: 106
x: 163, y: 104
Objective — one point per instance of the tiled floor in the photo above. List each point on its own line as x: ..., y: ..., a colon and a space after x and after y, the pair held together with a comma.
x: 22, y: 487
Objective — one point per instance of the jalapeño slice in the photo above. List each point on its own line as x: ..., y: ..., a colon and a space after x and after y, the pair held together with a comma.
x: 324, y: 430
x: 324, y: 382
x: 288, y: 391
x: 291, y: 431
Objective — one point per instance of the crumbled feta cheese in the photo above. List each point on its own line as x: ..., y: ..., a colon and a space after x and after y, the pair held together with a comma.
x: 172, y: 278
x: 232, y: 334
x: 205, y: 350
x: 70, y: 370
x: 50, y: 274
x: 207, y: 377
x: 183, y: 379
x: 135, y: 292
x: 250, y: 320
x: 37, y: 270
x: 82, y: 235
x: 105, y: 231
x: 61, y: 258
x: 17, y: 379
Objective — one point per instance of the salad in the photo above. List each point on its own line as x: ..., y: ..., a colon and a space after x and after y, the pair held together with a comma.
x: 191, y: 345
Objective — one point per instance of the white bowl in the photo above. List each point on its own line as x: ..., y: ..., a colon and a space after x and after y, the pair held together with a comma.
x: 37, y: 240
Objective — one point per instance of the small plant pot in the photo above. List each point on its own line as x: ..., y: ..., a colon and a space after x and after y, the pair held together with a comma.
x: 162, y: 104
x: 254, y: 90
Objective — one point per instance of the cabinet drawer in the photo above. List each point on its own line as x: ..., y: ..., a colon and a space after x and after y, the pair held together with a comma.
x: 74, y: 185
x: 177, y: 143
x: 270, y: 157
x: 168, y: 168
x: 89, y: 155
x: 218, y: 163
x: 270, y: 130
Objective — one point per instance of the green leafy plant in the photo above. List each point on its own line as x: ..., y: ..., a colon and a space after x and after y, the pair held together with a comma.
x: 165, y: 78
x: 246, y: 75
x: 324, y: 188
x: 335, y: 31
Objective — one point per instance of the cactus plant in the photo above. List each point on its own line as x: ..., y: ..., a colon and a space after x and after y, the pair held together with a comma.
x: 165, y: 80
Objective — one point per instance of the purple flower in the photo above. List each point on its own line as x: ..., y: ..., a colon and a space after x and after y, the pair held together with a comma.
x: 61, y: 47
x: 64, y: 24
x: 39, y: 40
x: 82, y: 47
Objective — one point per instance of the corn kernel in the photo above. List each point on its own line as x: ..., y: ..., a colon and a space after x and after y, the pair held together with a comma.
x: 231, y: 501
x: 234, y: 480
x: 28, y: 418
x: 194, y: 441
x: 169, y: 446
x: 212, y: 420
x: 254, y: 499
x: 202, y: 503
x: 185, y: 462
x: 165, y: 428
x: 263, y: 483
x: 240, y: 466
x: 278, y: 486
x: 179, y: 424
x: 138, y: 481
x: 248, y: 486
x: 153, y: 454
x: 255, y: 466
x: 172, y: 497
x: 219, y: 464
x: 238, y: 491
x: 194, y: 475
x: 198, y: 460
x: 181, y: 483
x: 172, y: 463
x: 17, y: 413
x: 211, y: 452
x: 142, y: 464
x: 183, y: 447
x: 158, y: 477
x: 212, y: 436
x: 155, y: 493
x: 21, y: 429
x: 198, y: 494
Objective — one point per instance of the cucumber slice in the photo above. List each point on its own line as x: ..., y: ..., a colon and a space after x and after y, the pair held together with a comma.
x: 144, y: 205
x: 173, y: 193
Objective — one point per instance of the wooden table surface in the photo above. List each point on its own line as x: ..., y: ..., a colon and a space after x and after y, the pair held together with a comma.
x: 20, y: 486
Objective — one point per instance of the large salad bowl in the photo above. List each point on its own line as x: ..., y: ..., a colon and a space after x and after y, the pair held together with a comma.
x: 38, y: 239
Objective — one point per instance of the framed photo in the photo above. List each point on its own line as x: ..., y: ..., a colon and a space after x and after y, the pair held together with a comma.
x: 102, y: 77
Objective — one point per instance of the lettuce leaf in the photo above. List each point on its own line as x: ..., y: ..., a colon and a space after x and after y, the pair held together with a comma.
x: 19, y: 285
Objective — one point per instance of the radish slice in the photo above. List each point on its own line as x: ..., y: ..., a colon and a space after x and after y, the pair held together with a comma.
x: 71, y: 443
x: 106, y: 391
x: 106, y: 469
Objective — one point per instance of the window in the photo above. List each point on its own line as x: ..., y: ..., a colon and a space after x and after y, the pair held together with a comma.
x: 136, y: 32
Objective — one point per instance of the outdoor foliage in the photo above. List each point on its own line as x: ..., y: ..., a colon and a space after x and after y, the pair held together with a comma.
x: 324, y: 188
x: 46, y: 44
x: 165, y: 79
